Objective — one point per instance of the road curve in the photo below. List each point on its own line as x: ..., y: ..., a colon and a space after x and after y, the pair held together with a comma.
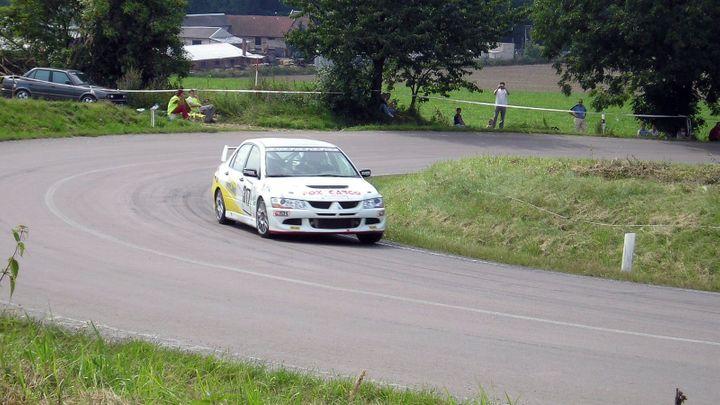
x: 122, y: 233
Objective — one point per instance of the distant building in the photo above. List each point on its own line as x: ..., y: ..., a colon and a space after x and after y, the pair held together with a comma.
x: 219, y: 56
x: 219, y: 20
x: 266, y: 33
x: 503, y: 51
x: 208, y: 35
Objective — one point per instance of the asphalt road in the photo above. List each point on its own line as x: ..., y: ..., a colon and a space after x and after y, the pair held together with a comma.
x: 122, y: 233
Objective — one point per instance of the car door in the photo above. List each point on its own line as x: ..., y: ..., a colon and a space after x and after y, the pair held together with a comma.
x: 39, y: 86
x: 232, y: 178
x: 250, y: 180
x: 62, y: 88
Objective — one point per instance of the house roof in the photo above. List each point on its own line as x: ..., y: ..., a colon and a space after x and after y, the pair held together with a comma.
x: 206, y: 20
x: 217, y: 51
x: 260, y: 25
x: 213, y: 33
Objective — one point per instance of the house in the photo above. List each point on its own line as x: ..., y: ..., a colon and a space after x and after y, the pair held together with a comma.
x: 219, y: 20
x: 219, y: 56
x: 266, y: 33
x: 208, y: 35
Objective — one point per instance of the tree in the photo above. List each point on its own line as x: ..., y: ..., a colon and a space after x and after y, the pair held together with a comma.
x: 445, y: 42
x: 123, y: 35
x: 38, y: 33
x: 661, y: 55
x: 429, y: 43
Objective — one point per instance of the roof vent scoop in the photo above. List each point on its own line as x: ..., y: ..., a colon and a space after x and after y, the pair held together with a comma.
x: 327, y: 187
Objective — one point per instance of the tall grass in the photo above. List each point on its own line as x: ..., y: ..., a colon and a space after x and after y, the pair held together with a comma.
x: 24, y: 119
x: 47, y: 364
x: 566, y: 215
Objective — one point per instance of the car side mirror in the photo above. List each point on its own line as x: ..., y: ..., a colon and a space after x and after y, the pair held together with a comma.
x: 250, y: 173
x: 365, y: 172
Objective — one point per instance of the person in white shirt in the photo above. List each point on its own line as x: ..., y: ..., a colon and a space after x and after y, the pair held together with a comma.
x: 501, y: 102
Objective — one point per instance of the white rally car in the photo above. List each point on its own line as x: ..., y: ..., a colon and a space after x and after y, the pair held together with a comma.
x: 296, y: 186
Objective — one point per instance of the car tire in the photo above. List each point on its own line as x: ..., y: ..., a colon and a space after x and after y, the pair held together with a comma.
x: 87, y: 99
x: 262, y: 222
x: 369, y: 238
x: 22, y: 94
x: 219, y: 205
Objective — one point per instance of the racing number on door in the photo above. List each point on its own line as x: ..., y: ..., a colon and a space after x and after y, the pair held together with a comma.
x: 246, y: 195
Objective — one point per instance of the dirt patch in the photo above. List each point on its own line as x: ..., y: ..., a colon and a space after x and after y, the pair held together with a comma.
x: 521, y: 77
x: 659, y: 171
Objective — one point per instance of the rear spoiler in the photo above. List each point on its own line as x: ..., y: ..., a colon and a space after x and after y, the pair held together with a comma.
x: 227, y: 152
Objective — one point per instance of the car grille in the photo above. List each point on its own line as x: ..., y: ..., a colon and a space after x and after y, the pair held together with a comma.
x: 323, y: 205
x: 335, y: 223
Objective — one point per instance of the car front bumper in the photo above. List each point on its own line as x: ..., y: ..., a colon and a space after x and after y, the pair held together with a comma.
x: 326, y: 221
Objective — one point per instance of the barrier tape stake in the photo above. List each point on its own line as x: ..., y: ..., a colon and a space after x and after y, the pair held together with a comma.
x: 628, y: 250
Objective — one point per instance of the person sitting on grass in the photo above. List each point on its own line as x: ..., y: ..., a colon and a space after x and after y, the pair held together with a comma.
x: 208, y: 110
x: 178, y: 105
x: 714, y: 135
x: 458, y: 119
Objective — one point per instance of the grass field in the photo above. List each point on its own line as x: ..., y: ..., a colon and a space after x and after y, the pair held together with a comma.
x: 42, y: 119
x: 565, y: 215
x: 46, y: 364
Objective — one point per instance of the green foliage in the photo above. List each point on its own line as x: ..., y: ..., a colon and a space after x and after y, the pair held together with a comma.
x: 13, y: 267
x: 105, y: 38
x: 661, y: 55
x: 120, y: 35
x: 47, y: 364
x: 38, y: 33
x: 371, y: 41
x: 566, y: 215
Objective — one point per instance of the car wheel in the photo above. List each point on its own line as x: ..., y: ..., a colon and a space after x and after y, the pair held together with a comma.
x: 369, y: 238
x: 22, y: 94
x: 220, y: 208
x: 88, y: 99
x: 261, y: 220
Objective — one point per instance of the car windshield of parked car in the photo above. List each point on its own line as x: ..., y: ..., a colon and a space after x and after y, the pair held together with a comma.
x: 308, y: 162
x: 81, y: 78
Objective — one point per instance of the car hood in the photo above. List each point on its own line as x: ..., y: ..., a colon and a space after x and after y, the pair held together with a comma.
x: 320, y: 188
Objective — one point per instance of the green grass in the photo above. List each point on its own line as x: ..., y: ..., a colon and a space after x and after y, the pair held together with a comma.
x: 565, y: 215
x: 25, y: 119
x: 47, y: 364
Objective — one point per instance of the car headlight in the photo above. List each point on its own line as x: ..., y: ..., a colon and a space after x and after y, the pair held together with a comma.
x: 376, y: 202
x: 278, y: 202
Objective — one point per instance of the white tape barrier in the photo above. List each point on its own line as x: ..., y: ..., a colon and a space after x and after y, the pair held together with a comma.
x: 521, y: 107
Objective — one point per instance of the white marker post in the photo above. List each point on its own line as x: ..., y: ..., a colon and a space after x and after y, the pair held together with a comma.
x: 152, y: 118
x: 603, y: 131
x: 628, y: 251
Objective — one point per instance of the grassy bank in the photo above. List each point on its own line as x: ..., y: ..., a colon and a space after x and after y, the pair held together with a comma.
x: 47, y: 364
x: 25, y: 119
x: 566, y: 215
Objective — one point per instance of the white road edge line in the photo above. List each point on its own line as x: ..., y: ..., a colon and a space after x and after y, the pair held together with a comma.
x: 50, y: 203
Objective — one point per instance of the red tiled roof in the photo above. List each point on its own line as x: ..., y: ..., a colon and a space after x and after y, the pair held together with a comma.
x: 269, y: 26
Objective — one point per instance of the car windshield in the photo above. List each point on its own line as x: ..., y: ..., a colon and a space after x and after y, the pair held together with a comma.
x: 308, y: 162
x: 81, y: 77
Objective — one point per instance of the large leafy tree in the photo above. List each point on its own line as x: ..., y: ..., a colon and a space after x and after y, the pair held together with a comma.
x: 140, y: 35
x: 444, y: 42
x: 105, y: 38
x: 38, y: 33
x: 661, y: 55
x: 429, y: 44
x: 252, y: 7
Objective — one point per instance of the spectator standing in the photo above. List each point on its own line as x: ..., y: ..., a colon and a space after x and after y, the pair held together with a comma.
x: 178, y: 105
x: 196, y: 106
x: 501, y: 102
x: 714, y: 135
x: 458, y: 119
x: 386, y: 106
x: 579, y: 111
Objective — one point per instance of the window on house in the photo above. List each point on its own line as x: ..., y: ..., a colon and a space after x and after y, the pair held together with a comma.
x: 197, y: 42
x: 258, y: 40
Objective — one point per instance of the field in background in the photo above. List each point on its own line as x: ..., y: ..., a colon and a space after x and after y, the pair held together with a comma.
x: 530, y: 85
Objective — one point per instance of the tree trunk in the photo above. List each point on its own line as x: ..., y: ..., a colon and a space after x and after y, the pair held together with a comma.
x: 377, y: 79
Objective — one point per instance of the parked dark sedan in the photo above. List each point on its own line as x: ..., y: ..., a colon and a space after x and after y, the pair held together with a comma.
x: 58, y: 84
